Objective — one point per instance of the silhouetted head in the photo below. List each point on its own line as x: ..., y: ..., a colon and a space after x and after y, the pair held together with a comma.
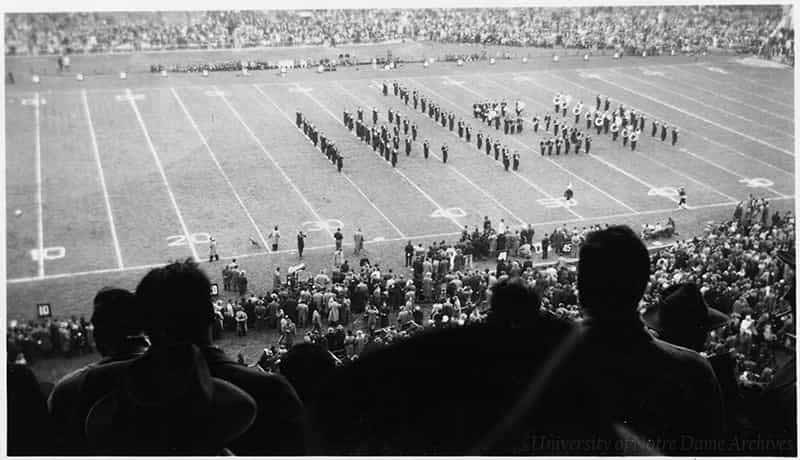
x: 613, y: 271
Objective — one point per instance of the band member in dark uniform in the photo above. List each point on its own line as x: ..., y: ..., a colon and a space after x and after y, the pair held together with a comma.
x: 444, y: 153
x: 426, y: 148
x: 674, y: 135
x: 587, y: 142
x: 515, y: 161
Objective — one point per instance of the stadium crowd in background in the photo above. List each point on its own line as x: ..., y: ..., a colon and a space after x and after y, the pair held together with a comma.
x: 631, y: 29
x: 738, y: 277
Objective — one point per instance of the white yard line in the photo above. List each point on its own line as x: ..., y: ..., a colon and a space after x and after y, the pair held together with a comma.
x: 185, y: 229
x: 411, y: 237
x: 455, y: 170
x: 396, y: 170
x: 782, y: 133
x: 96, y: 151
x: 272, y: 159
x: 706, y: 120
x: 664, y: 165
x: 40, y: 212
x: 220, y: 169
x: 358, y: 189
x: 728, y: 98
x: 694, y: 133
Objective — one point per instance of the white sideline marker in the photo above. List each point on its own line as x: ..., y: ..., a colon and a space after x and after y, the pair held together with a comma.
x: 40, y: 218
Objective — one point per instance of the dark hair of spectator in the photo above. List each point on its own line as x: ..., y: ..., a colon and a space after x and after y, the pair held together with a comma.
x: 176, y: 300
x: 305, y: 366
x: 613, y: 271
x: 513, y: 303
x: 114, y: 319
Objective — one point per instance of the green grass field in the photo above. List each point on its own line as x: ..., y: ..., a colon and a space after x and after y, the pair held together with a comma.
x: 116, y: 176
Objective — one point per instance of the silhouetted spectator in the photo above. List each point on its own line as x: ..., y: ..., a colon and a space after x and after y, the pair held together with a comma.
x: 119, y: 337
x: 177, y: 303
x: 666, y: 393
x: 29, y: 427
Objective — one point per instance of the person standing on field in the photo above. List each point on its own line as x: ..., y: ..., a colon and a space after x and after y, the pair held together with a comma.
x: 274, y: 237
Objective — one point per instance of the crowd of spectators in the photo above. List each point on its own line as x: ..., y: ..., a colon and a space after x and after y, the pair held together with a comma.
x: 631, y: 29
x: 739, y: 275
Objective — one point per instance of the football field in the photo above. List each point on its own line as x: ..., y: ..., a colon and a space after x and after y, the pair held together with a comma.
x: 115, y: 179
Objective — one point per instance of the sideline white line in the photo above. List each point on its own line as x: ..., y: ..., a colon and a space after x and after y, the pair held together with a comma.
x: 96, y: 151
x: 678, y: 109
x: 411, y: 237
x: 664, y: 165
x: 698, y: 101
x: 271, y: 158
x: 163, y: 174
x: 40, y: 217
x: 455, y: 170
x: 358, y: 189
x: 694, y: 133
x: 732, y: 99
x: 396, y: 170
x: 219, y: 168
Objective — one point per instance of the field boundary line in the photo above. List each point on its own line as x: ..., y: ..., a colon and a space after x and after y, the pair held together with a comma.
x: 271, y: 158
x: 695, y: 133
x: 345, y: 175
x: 96, y: 152
x: 373, y: 242
x: 219, y: 167
x: 163, y: 173
x: 396, y: 170
x: 697, y: 101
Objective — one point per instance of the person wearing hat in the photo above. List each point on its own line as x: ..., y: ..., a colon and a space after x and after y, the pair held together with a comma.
x: 176, y: 305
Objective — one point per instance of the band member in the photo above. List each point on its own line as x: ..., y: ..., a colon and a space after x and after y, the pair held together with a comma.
x: 682, y: 198
x: 578, y: 143
x: 339, y: 163
x: 444, y: 153
x: 488, y: 145
x: 558, y: 146
x: 468, y: 133
x: 577, y: 112
x: 625, y: 134
x: 674, y: 135
x: 566, y: 146
x: 654, y: 129
x: 515, y: 161
x: 550, y: 147
x: 299, y: 119
x: 568, y: 193
x: 394, y: 158
x: 614, y: 132
x: 506, y: 161
x: 405, y: 126
x: 587, y: 142
x: 541, y: 147
x: 426, y: 148
x: 408, y: 146
x: 598, y: 100
x: 664, y: 128
x: 536, y: 124
x: 413, y: 131
x: 634, y: 138
x: 480, y: 140
x: 385, y: 89
x: 598, y: 123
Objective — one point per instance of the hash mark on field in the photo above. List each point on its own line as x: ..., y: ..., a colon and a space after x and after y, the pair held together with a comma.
x: 347, y: 177
x: 271, y: 158
x: 96, y: 151
x: 219, y: 166
x: 152, y: 148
